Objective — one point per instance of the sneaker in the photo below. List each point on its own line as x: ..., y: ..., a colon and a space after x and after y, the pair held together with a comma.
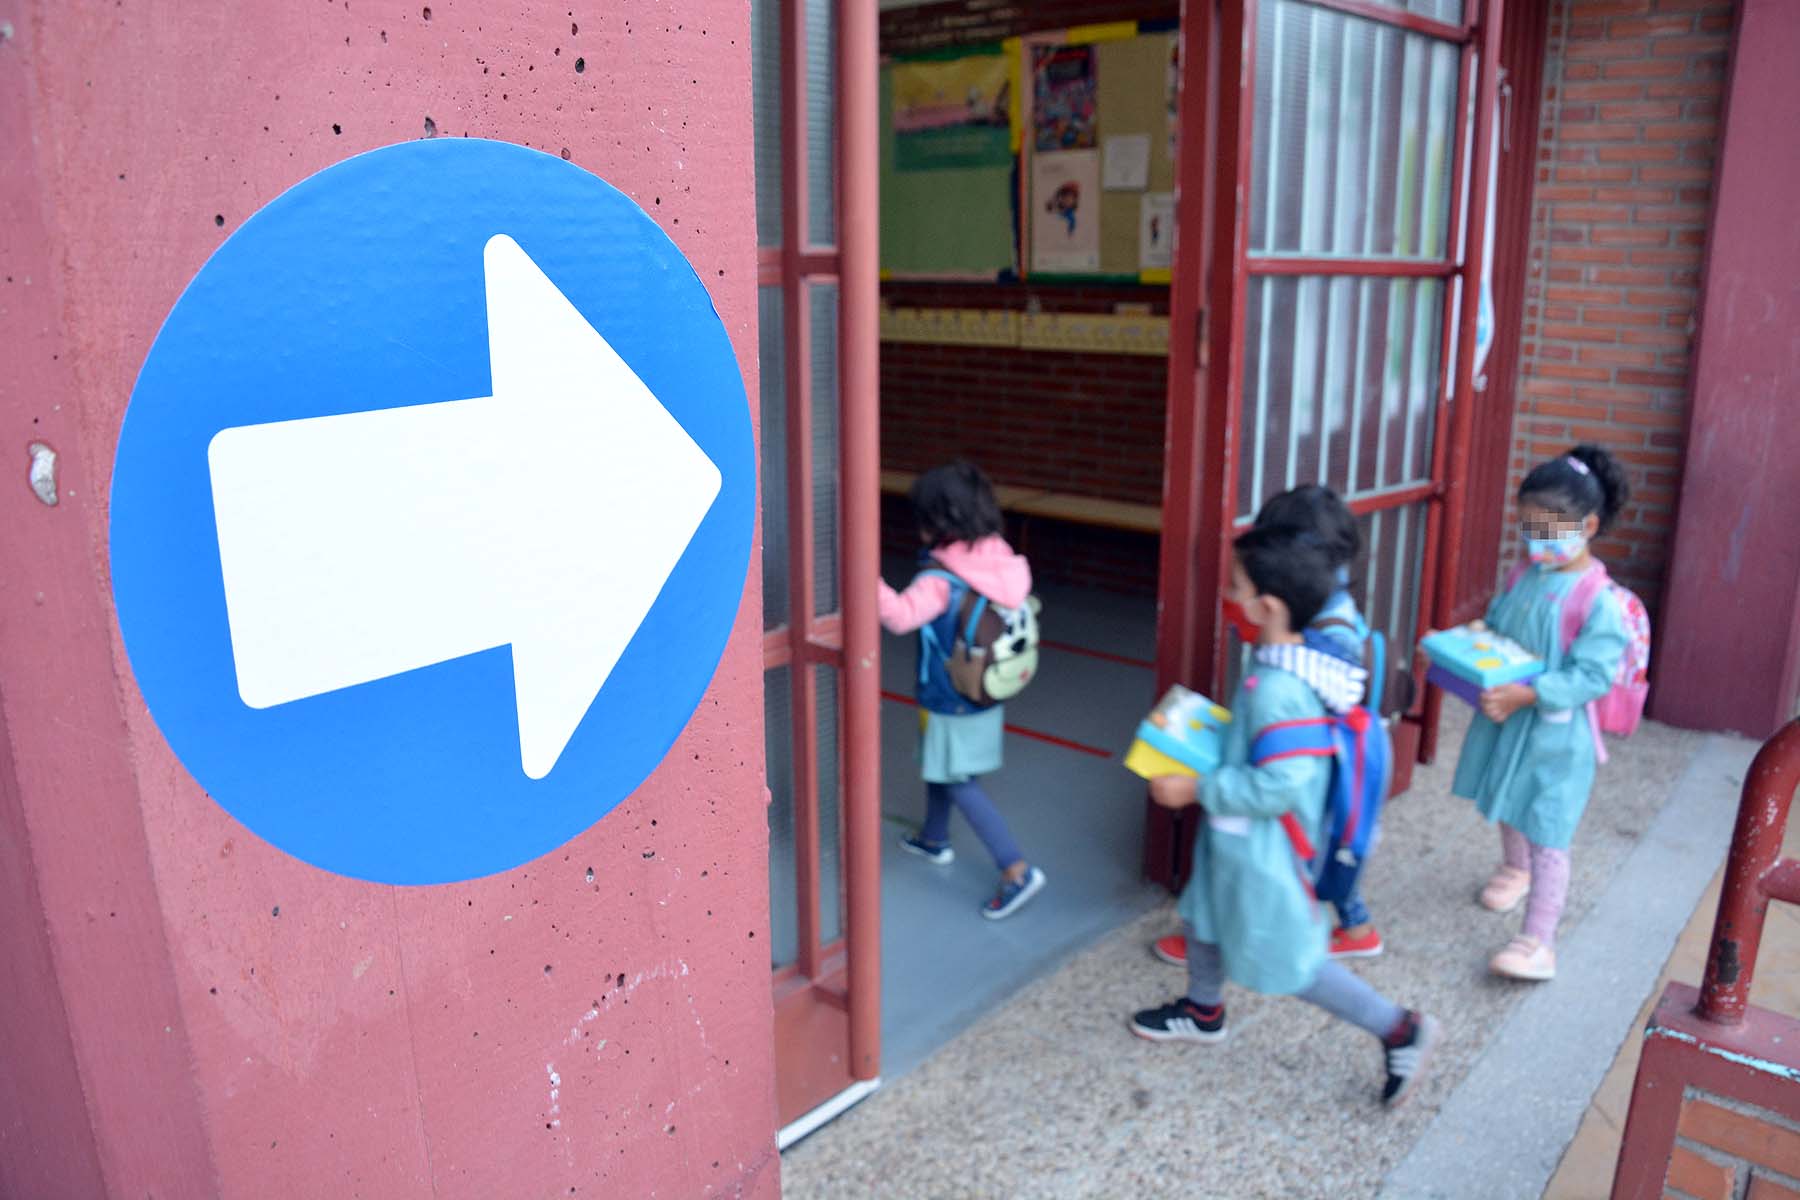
x: 1011, y: 897
x: 943, y: 855
x: 1409, y: 1051
x: 1525, y: 958
x: 1180, y: 1021
x: 1504, y: 891
x: 1367, y: 945
x: 1171, y: 949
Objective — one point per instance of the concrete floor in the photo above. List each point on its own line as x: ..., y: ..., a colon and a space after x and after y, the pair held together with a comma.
x: 1050, y: 1095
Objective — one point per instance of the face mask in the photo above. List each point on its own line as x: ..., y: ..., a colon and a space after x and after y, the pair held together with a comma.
x: 1559, y: 551
x: 1239, y: 620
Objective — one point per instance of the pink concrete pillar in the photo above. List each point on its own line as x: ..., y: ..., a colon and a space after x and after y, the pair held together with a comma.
x: 191, y: 1012
x: 1728, y: 652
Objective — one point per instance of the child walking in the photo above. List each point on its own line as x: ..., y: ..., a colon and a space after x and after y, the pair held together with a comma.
x: 1340, y: 631
x: 959, y: 740
x: 1528, y: 761
x: 1248, y: 908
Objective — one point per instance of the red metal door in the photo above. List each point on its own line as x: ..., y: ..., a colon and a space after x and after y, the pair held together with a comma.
x: 1317, y: 329
x: 815, y: 112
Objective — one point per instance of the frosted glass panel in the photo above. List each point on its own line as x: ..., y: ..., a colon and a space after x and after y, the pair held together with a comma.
x: 771, y: 364
x: 784, y: 905
x: 822, y: 301
x: 1354, y: 132
x: 821, y: 122
x: 831, y: 831
x: 1340, y: 384
x: 765, y: 96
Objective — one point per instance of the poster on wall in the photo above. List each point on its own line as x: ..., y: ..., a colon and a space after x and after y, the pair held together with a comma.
x: 1063, y: 98
x: 1065, y: 222
x: 1125, y: 162
x: 1156, y: 231
x: 952, y: 113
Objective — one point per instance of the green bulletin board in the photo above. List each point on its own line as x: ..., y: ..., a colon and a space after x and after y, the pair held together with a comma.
x: 939, y: 219
x: 949, y: 182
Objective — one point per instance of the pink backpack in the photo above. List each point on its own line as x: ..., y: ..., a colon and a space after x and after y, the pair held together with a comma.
x: 1620, y: 710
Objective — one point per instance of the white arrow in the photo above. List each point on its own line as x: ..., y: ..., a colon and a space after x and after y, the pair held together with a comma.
x: 547, y: 517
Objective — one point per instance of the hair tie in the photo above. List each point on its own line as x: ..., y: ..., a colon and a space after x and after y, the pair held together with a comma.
x: 1578, y: 465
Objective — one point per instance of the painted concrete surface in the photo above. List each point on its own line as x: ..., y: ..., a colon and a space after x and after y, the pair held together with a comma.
x: 1051, y: 1095
x: 208, y: 1015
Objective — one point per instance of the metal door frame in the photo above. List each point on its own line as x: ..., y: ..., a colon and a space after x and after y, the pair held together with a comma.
x: 827, y: 1003
x: 1206, y: 340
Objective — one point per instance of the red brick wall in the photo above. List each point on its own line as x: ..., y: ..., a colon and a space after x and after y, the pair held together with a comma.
x: 1724, y: 1144
x: 1630, y: 115
x: 1085, y: 423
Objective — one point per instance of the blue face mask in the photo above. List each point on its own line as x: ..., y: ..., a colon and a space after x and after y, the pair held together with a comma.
x: 1553, y: 553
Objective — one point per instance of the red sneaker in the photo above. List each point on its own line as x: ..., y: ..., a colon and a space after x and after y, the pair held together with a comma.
x: 1171, y: 949
x: 1343, y: 945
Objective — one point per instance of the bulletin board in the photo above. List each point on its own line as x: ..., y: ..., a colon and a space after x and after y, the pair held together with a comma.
x: 1075, y: 181
x: 948, y: 195
x: 1098, y: 155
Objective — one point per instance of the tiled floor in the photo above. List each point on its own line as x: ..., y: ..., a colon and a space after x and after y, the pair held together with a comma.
x: 1587, y: 1167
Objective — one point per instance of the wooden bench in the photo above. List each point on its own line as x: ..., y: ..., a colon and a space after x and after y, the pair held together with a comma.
x: 1056, y: 506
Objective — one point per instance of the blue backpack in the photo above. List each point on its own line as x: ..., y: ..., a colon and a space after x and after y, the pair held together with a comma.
x: 1362, y: 761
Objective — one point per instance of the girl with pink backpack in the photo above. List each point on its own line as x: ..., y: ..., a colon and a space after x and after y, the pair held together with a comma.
x: 1528, y: 761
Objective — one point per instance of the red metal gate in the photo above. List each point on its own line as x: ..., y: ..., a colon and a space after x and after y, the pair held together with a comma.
x: 1318, y: 329
x: 814, y: 64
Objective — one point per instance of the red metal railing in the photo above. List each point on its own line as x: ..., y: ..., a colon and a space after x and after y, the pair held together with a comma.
x: 1754, y: 875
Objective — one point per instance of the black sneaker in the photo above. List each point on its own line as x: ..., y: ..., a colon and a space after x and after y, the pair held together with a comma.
x: 1180, y: 1021
x: 1409, y: 1051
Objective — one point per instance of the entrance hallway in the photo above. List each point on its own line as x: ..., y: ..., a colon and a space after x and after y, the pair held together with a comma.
x: 1074, y: 810
x: 1050, y: 1095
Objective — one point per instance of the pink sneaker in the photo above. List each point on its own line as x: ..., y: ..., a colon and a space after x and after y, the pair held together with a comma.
x: 1504, y: 891
x: 1525, y: 958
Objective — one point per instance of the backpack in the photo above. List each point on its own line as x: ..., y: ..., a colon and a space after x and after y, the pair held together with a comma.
x: 1362, y: 768
x: 1622, y: 708
x: 994, y: 649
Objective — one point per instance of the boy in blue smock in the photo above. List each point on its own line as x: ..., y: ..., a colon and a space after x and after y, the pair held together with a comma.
x: 1248, y: 909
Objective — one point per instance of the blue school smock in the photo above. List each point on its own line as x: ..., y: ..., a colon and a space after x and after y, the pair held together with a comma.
x: 1535, y: 772
x: 1247, y: 894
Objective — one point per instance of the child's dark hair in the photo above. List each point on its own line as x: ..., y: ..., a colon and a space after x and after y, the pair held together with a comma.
x: 955, y: 503
x: 1317, y: 509
x: 1585, y: 480
x: 1292, y: 566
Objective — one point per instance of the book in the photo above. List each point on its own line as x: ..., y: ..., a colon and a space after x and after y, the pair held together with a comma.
x: 1183, y: 735
x: 1469, y: 659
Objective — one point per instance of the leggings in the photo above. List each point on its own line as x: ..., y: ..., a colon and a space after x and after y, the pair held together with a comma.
x: 977, y: 810
x: 1336, y: 989
x: 1549, y: 882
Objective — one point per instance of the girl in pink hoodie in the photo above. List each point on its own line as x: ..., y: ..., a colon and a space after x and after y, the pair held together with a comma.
x: 960, y: 740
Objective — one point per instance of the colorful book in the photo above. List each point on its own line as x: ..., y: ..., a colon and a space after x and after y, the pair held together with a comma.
x: 1183, y: 735
x: 1468, y: 660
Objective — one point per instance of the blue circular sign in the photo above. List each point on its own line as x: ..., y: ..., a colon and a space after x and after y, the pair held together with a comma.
x: 432, y: 510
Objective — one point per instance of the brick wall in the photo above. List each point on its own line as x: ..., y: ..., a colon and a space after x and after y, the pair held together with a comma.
x: 1727, y: 1150
x: 1629, y: 121
x: 1085, y: 423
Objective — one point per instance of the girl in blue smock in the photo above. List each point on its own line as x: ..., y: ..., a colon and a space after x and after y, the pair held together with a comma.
x: 1249, y: 909
x: 1528, y: 761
